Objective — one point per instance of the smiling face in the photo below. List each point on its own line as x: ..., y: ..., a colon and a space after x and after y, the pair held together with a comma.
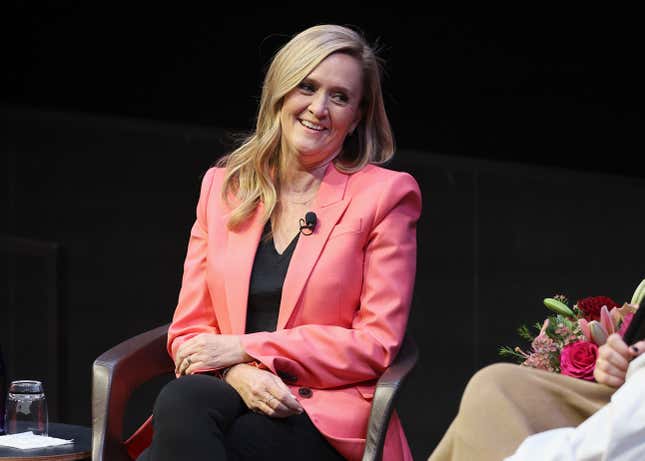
x: 323, y: 109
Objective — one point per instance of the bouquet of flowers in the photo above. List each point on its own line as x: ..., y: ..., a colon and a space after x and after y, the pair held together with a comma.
x: 567, y: 341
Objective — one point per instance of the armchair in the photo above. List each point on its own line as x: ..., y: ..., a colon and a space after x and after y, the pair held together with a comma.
x: 119, y: 371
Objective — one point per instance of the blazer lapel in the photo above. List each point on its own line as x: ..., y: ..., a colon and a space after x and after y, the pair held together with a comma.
x: 329, y: 207
x: 240, y: 253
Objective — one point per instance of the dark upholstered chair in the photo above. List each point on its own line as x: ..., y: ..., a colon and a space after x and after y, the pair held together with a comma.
x: 119, y: 371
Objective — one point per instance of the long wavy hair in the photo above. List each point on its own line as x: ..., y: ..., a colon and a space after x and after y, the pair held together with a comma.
x: 254, y: 169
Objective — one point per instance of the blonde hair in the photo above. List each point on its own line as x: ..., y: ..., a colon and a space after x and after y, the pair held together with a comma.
x: 254, y: 169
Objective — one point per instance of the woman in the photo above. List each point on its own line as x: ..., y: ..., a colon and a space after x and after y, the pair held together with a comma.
x: 299, y: 272
x: 503, y: 404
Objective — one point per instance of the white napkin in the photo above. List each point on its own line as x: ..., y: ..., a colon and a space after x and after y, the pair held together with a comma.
x: 26, y: 440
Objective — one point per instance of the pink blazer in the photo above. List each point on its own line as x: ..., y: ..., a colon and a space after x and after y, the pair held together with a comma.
x: 345, y: 300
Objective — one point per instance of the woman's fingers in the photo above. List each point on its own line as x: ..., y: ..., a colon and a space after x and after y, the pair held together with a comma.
x: 192, y: 364
x: 263, y: 392
x: 277, y: 396
x: 195, y: 362
x: 183, y: 358
x: 211, y: 350
x: 274, y: 407
x: 613, y: 360
x: 609, y: 368
x: 183, y: 366
x: 607, y: 379
x: 617, y: 357
x: 187, y: 364
x: 283, y: 394
x: 193, y: 355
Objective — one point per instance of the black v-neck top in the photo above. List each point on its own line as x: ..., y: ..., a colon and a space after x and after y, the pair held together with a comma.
x: 267, y: 278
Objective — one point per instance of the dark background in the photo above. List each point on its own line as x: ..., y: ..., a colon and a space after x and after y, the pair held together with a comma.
x: 523, y: 129
x: 542, y: 85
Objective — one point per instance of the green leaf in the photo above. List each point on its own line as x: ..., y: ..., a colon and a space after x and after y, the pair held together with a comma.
x: 509, y: 352
x: 524, y: 333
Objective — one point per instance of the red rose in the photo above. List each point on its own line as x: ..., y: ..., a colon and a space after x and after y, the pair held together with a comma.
x: 591, y: 306
x: 579, y: 359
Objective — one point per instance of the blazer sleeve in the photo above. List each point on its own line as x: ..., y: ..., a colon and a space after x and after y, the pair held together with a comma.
x: 194, y: 313
x: 325, y: 356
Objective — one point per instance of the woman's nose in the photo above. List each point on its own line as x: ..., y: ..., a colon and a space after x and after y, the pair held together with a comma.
x: 318, y: 105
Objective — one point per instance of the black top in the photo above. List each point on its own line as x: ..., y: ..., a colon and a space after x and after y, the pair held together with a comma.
x: 267, y: 278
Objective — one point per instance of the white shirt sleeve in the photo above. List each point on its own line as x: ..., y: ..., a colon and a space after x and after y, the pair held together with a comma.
x: 614, y: 433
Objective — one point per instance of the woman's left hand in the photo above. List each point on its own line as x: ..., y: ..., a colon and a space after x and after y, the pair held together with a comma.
x: 209, y: 352
x: 263, y: 392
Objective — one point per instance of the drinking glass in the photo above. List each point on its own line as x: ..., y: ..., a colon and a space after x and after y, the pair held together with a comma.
x: 26, y: 408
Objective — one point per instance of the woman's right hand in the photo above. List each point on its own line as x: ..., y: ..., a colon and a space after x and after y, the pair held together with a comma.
x: 613, y: 359
x: 262, y: 391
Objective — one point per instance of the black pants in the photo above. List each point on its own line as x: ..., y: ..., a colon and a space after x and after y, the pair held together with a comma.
x: 200, y: 417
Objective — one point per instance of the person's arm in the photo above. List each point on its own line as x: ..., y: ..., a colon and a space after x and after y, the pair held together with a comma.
x: 615, y: 432
x: 194, y: 314
x: 328, y: 356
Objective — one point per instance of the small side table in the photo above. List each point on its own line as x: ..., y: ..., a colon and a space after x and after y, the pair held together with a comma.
x: 81, y: 448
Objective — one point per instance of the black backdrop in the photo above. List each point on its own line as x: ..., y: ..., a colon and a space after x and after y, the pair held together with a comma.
x: 522, y: 128
x: 557, y: 86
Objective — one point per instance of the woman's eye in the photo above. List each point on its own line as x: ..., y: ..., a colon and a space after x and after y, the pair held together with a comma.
x: 340, y: 97
x: 306, y: 87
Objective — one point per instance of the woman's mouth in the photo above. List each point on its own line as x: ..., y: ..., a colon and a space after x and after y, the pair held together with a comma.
x: 311, y: 125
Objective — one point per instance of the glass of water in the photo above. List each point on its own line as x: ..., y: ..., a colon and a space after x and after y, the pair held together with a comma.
x: 26, y: 408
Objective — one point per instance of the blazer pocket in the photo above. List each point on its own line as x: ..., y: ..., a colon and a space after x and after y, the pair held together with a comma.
x: 366, y: 391
x: 350, y: 227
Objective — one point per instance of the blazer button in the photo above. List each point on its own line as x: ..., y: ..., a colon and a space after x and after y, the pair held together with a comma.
x: 305, y: 392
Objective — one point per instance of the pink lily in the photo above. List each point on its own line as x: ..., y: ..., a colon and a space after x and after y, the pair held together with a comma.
x: 606, y: 321
x: 616, y: 316
x: 627, y: 309
x: 584, y: 327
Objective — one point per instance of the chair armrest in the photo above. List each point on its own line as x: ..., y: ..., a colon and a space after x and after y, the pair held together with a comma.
x: 115, y: 375
x: 387, y: 388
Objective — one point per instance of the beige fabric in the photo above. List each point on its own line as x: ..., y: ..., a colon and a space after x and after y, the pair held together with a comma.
x: 504, y: 403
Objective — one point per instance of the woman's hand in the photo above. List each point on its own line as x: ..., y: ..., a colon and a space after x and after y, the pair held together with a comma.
x: 209, y: 352
x: 262, y: 391
x: 613, y: 359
